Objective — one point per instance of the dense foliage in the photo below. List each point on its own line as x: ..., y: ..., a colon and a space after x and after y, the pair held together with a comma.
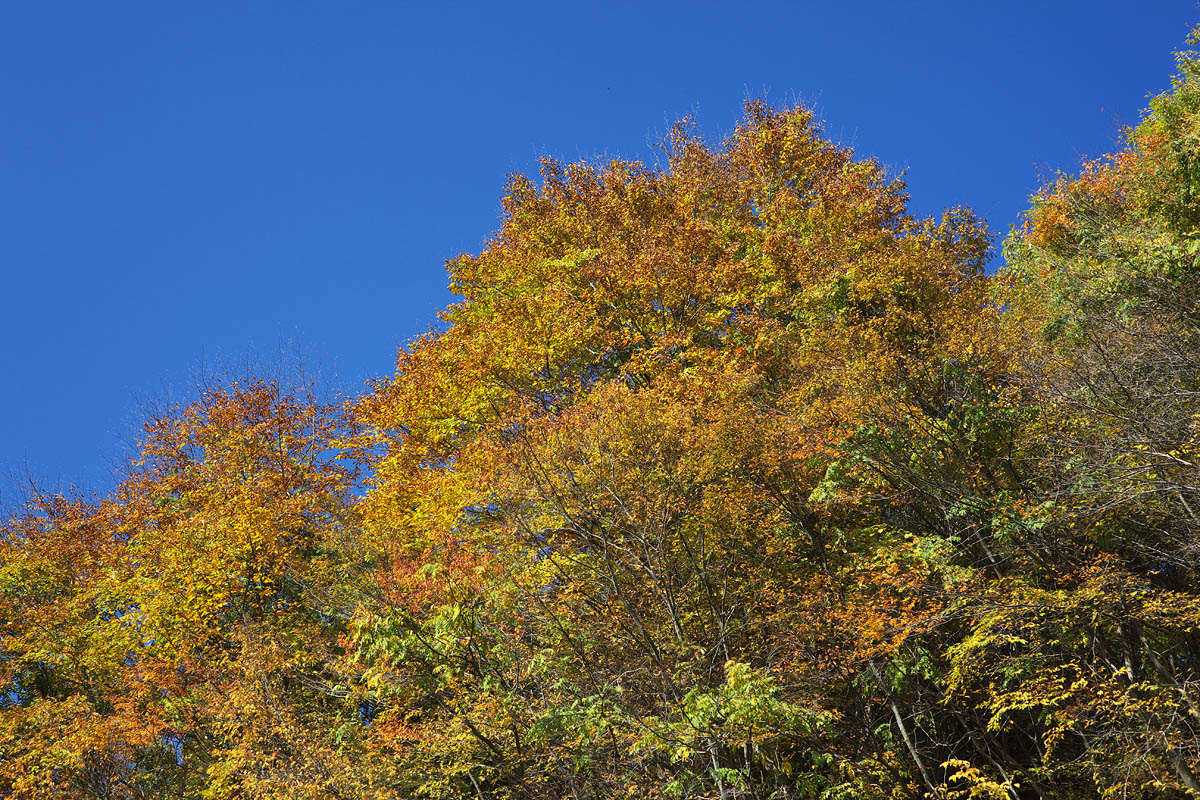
x: 724, y: 479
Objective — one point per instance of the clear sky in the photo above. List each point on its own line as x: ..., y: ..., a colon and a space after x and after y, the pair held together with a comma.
x: 184, y: 183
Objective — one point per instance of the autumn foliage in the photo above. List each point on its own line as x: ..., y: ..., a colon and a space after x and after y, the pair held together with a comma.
x: 725, y: 478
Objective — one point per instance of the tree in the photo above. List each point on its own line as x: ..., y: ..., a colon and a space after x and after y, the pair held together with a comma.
x: 621, y: 476
x: 180, y: 637
x: 728, y: 478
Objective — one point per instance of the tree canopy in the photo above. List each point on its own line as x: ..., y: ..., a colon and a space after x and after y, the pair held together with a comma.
x: 723, y: 478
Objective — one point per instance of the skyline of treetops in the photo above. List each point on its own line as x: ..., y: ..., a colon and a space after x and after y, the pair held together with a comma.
x: 191, y: 187
x: 724, y: 477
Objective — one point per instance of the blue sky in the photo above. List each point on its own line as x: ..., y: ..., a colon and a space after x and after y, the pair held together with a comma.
x: 187, y: 184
